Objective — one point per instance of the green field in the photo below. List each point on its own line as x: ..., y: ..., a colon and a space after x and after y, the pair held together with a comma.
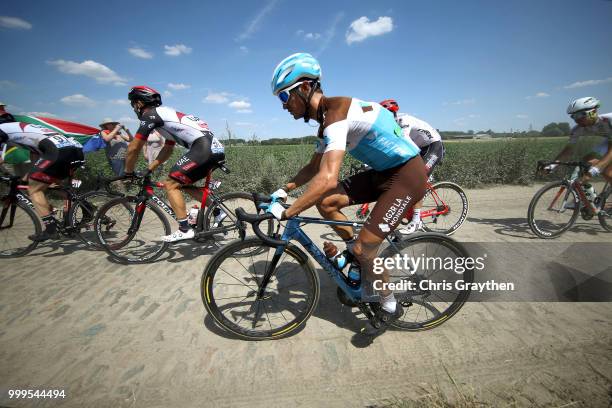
x: 469, y: 163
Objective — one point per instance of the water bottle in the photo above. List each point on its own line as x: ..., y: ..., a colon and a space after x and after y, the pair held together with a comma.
x: 341, y: 259
x: 337, y: 258
x: 354, y: 274
x: 192, y: 218
x: 589, y: 191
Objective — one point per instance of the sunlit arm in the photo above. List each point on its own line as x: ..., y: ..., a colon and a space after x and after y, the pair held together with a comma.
x: 324, y: 181
x: 133, y: 151
x: 163, y: 155
x: 306, y: 173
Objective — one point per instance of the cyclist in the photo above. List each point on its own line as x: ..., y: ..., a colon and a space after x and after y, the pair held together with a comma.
x: 56, y: 156
x: 432, y: 151
x: 369, y: 133
x: 589, y: 123
x: 204, y: 150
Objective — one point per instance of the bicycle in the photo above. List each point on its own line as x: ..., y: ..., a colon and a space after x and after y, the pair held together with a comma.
x: 278, y: 291
x: 139, y: 222
x: 18, y: 217
x: 549, y: 217
x: 442, y: 201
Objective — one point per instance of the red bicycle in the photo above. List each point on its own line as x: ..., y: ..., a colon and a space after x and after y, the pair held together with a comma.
x: 445, y: 207
x: 140, y: 221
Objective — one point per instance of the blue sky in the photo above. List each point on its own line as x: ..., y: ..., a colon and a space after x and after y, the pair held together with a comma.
x: 459, y: 65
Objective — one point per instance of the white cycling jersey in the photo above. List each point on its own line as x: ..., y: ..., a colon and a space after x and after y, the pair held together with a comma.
x: 419, y: 131
x: 29, y: 135
x: 176, y: 127
x: 603, y: 128
x: 370, y: 134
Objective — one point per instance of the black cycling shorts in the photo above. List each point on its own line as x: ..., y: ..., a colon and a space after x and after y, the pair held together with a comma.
x: 395, y: 191
x: 55, y: 163
x: 197, y: 162
x: 432, y: 155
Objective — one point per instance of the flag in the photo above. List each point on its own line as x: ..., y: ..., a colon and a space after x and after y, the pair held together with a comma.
x: 81, y: 133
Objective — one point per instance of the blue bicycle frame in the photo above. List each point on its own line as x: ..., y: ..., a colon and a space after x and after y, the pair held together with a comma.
x: 293, y: 231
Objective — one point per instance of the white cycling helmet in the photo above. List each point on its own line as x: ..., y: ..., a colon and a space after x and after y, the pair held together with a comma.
x: 582, y: 104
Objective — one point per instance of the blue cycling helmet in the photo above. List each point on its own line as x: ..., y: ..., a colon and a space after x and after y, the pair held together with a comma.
x: 292, y: 69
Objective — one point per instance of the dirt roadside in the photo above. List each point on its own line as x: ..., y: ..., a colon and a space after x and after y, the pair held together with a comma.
x: 138, y: 336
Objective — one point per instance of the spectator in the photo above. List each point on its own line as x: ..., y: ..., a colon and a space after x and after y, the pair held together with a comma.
x: 19, y: 168
x: 116, y: 144
x: 155, y: 142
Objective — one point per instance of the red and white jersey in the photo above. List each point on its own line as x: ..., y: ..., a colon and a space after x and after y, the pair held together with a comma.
x: 29, y: 135
x: 419, y: 131
x: 175, y: 126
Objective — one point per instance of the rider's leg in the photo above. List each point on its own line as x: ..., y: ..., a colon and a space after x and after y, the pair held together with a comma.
x: 36, y: 190
x: 404, y: 187
x: 177, y: 201
x: 329, y: 207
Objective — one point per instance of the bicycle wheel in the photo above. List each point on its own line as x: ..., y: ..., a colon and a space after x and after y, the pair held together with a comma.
x: 17, y: 222
x: 112, y: 227
x: 222, y: 214
x: 230, y: 286
x: 553, y: 210
x: 433, y: 304
x: 605, y: 214
x: 445, y: 208
x: 83, y: 213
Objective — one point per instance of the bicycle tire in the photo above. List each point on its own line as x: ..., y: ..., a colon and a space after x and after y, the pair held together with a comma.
x: 209, y: 215
x: 212, y: 280
x: 605, y: 214
x: 465, y: 206
x: 84, y: 225
x: 462, y: 296
x: 29, y: 245
x: 103, y: 232
x: 533, y: 224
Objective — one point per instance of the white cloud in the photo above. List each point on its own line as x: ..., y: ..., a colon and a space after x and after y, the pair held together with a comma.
x: 244, y: 49
x: 217, y: 97
x: 167, y: 93
x: 244, y: 111
x: 14, y: 22
x: 100, y: 72
x: 119, y: 101
x: 245, y: 124
x: 128, y: 119
x: 522, y: 116
x: 473, y: 116
x: 589, y: 82
x: 461, y: 102
x: 4, y: 84
x: 538, y: 95
x: 178, y: 87
x: 43, y: 114
x: 78, y: 100
x: 330, y: 33
x: 140, y: 53
x: 363, y: 28
x: 308, y: 36
x: 241, y: 104
x: 254, y: 24
x: 176, y: 50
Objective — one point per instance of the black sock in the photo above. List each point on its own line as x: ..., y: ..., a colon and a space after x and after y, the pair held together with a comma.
x: 184, y: 225
x: 50, y: 223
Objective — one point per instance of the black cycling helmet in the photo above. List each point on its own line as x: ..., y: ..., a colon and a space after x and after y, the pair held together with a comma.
x: 147, y: 95
x: 7, y: 118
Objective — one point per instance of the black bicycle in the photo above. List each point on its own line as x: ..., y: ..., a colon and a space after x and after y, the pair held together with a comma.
x: 139, y: 222
x: 18, y: 218
x: 556, y: 206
